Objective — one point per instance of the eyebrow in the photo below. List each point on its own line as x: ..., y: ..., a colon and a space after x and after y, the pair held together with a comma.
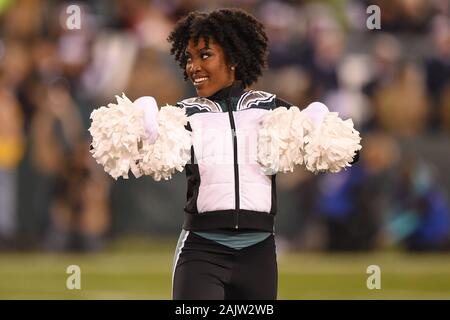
x: 186, y: 52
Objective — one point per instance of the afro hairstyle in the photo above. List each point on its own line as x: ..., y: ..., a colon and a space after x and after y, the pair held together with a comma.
x: 241, y: 36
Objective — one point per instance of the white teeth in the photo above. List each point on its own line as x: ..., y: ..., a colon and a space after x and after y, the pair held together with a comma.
x: 198, y: 80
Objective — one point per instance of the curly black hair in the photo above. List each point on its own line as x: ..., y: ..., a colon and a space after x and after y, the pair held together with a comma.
x: 241, y: 36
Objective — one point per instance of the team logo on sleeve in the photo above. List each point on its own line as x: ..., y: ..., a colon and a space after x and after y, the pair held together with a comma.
x: 252, y: 98
x: 202, y: 104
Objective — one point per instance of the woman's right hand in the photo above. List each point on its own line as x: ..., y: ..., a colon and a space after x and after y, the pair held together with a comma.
x: 150, y: 107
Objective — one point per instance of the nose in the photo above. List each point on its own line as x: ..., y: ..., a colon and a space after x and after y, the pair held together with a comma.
x: 194, y: 67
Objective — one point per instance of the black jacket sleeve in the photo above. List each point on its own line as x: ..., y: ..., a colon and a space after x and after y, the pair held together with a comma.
x: 282, y: 103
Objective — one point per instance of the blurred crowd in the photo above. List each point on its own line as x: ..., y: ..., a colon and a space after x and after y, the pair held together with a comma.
x: 394, y: 82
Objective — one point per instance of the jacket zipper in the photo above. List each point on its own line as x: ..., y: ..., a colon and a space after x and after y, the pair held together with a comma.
x: 236, y: 168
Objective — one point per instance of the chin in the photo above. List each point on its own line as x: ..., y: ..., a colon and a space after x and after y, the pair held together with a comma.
x: 203, y: 93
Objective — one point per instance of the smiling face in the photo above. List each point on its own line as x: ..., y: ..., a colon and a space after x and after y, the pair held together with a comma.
x: 207, y: 67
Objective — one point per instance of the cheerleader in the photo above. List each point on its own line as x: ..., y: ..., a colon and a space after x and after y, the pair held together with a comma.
x: 231, y: 142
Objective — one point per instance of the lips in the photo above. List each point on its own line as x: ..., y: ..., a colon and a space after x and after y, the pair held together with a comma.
x: 198, y: 81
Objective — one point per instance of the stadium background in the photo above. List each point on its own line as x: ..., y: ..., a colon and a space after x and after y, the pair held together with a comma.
x: 58, y: 208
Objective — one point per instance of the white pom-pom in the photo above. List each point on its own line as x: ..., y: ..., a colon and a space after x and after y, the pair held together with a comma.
x: 281, y: 140
x: 116, y: 131
x: 332, y: 145
x: 171, y: 150
x: 135, y: 136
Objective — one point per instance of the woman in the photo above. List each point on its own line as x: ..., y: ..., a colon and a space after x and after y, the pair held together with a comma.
x: 231, y: 142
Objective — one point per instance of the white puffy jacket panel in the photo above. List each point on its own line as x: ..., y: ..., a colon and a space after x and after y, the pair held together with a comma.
x: 212, y: 138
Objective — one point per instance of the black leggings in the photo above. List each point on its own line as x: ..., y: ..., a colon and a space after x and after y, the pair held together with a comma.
x: 205, y: 270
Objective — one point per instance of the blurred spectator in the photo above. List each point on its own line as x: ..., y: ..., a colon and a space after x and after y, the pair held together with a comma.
x: 24, y: 18
x: 150, y: 75
x: 348, y: 99
x: 80, y: 213
x: 61, y: 158
x: 438, y: 67
x: 386, y: 54
x: 51, y: 78
x: 385, y: 58
x: 147, y: 22
x: 420, y: 211
x: 285, y: 27
x: 445, y: 108
x: 292, y: 84
x: 11, y: 152
x: 401, y: 107
x: 352, y: 201
x: 302, y: 226
x: 328, y: 42
x: 404, y: 15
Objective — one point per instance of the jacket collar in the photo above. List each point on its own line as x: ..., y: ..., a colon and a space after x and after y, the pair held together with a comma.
x: 234, y: 90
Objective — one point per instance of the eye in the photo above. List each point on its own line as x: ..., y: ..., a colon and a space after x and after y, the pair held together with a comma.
x: 205, y: 56
x: 188, y: 60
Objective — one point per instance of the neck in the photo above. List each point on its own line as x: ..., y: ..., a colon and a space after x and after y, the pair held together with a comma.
x: 236, y: 87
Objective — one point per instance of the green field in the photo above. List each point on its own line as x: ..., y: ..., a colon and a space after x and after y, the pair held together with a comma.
x: 142, y: 270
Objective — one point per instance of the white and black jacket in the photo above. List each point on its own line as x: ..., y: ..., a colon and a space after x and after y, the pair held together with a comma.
x: 231, y: 145
x: 225, y: 186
